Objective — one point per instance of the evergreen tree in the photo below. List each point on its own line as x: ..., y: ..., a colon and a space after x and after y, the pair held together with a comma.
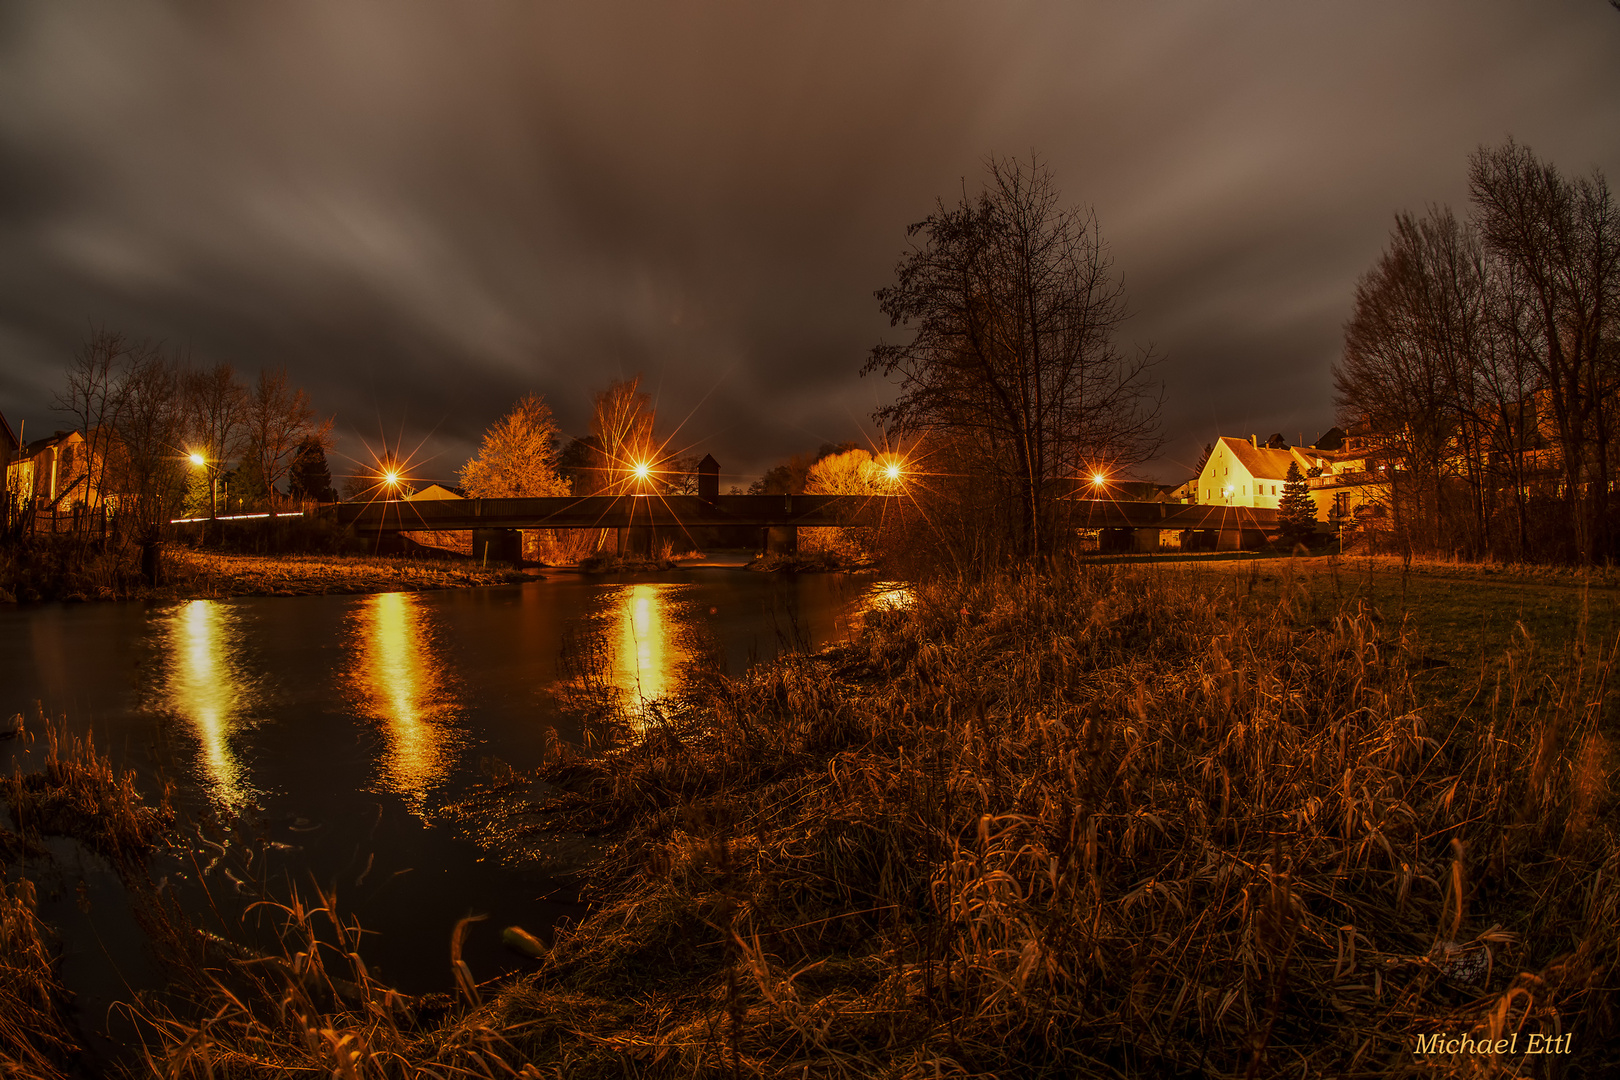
x: 245, y: 487
x: 309, y: 477
x: 1296, y: 510
x: 1203, y: 459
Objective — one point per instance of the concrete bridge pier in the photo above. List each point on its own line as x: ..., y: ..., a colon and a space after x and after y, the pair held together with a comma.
x: 1240, y: 540
x: 1147, y: 540
x: 635, y: 541
x: 780, y: 539
x: 497, y: 545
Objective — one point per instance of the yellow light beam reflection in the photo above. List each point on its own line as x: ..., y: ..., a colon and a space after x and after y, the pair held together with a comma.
x: 882, y: 596
x: 399, y: 681
x: 206, y: 689
x: 647, y: 664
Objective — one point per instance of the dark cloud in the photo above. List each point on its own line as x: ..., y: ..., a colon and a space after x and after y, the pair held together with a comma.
x: 424, y: 210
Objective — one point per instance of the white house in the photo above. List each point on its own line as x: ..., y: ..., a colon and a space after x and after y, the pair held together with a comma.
x: 1241, y: 472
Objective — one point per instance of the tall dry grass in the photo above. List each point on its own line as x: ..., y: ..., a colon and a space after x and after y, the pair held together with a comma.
x: 69, y: 567
x: 79, y: 793
x: 35, y: 1043
x: 311, y: 1008
x: 1100, y: 823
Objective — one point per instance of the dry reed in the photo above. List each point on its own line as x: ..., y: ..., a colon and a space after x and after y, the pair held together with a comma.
x: 1099, y: 823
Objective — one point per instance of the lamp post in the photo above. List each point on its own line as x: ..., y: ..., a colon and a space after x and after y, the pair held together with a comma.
x: 202, y: 462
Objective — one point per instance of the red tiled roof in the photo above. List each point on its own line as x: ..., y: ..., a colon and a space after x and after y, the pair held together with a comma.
x: 1262, y: 464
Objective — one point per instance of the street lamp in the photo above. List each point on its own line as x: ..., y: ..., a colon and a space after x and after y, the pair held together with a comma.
x: 201, y: 462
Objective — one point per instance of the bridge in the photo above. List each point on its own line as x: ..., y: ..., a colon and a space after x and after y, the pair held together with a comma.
x: 496, y: 523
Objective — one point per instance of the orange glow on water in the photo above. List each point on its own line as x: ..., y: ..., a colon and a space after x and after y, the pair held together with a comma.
x: 398, y: 680
x: 205, y: 687
x: 648, y: 657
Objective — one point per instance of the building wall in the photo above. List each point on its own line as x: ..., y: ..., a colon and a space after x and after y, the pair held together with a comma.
x: 1343, y: 480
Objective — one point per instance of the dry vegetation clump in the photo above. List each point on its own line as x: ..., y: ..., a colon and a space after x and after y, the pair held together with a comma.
x: 607, y: 563
x: 204, y: 574
x: 312, y: 1008
x: 811, y: 561
x: 68, y: 567
x: 35, y: 1044
x: 1098, y: 823
x: 78, y: 793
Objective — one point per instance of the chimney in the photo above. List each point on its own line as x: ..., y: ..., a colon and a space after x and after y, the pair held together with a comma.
x: 1254, y: 441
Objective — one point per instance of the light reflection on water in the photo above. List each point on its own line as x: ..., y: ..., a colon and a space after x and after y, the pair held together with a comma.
x: 269, y: 694
x: 886, y: 596
x: 648, y: 658
x: 205, y: 686
x: 398, y: 678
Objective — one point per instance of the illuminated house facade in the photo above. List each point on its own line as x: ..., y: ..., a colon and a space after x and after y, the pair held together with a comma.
x: 55, y: 471
x: 1342, y: 476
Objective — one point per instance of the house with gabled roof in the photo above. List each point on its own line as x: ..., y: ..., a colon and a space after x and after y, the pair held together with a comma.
x: 54, y: 470
x: 1245, y: 472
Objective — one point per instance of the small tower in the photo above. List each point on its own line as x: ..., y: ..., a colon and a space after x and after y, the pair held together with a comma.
x: 708, y: 478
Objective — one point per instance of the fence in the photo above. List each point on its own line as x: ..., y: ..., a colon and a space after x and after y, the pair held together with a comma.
x: 30, y: 517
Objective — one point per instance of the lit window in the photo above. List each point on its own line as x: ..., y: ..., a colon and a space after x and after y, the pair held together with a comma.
x: 1274, y: 489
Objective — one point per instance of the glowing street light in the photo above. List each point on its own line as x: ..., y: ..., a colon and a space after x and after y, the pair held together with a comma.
x: 642, y: 470
x: 201, y: 462
x: 892, y: 471
x: 1098, y: 480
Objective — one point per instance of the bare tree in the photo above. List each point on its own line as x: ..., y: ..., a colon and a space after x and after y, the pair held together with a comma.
x: 217, y: 421
x: 622, y: 425
x: 1016, y: 309
x: 280, y: 420
x: 93, y: 398
x: 518, y: 457
x: 148, y: 464
x: 1419, y: 325
x: 1559, y: 241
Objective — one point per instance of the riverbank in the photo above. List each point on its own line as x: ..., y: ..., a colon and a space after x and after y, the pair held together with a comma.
x: 207, y: 575
x: 64, y: 571
x: 1112, y: 821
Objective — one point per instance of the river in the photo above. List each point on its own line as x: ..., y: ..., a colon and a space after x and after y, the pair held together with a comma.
x: 318, y: 739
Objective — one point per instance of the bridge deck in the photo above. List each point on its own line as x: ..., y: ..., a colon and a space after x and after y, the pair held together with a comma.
x: 692, y: 511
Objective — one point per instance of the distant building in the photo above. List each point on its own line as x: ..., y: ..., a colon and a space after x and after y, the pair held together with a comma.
x: 1141, y: 491
x: 436, y: 491
x: 55, y: 471
x: 1241, y: 472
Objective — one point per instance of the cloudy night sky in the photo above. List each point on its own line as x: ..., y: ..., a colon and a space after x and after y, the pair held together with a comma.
x: 425, y: 210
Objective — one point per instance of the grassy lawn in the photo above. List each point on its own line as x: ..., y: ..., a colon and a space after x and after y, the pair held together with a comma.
x: 1460, y: 619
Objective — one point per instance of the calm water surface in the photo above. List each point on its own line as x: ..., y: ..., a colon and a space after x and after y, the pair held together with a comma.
x: 332, y: 729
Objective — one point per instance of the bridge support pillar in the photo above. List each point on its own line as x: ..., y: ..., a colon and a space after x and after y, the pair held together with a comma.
x: 780, y: 539
x: 497, y: 545
x: 634, y: 541
x: 1230, y: 540
x: 1147, y: 539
